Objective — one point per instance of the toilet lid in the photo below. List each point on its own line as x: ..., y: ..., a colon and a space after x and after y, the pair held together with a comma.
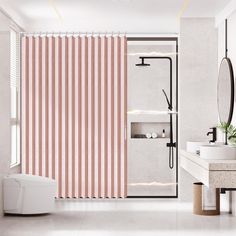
x: 25, y: 179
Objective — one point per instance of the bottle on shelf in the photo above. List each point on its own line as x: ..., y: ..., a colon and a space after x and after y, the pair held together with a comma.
x: 163, y: 133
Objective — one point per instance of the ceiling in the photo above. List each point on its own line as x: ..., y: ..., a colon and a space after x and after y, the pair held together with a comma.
x: 147, y: 16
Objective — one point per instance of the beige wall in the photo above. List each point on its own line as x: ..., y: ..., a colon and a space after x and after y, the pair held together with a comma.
x: 197, y: 86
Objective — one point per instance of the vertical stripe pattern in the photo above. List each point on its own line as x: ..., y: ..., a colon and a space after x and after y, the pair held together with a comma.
x: 74, y: 101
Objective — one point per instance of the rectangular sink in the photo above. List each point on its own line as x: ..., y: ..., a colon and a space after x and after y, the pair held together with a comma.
x: 218, y: 152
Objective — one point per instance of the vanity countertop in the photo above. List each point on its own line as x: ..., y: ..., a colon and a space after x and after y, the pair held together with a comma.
x: 213, y: 173
x: 211, y: 165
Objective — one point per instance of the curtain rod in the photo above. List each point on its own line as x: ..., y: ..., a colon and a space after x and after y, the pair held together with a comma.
x: 98, y: 33
x: 72, y: 33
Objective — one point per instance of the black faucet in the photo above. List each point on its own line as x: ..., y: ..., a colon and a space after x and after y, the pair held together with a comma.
x: 213, y: 132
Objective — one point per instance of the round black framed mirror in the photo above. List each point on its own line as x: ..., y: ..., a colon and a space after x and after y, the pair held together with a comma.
x: 225, y: 91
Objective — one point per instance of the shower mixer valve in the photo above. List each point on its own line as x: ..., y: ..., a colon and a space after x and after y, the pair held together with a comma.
x: 171, y: 144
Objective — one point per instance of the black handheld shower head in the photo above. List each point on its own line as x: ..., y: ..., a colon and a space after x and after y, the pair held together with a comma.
x: 171, y: 144
x: 168, y: 102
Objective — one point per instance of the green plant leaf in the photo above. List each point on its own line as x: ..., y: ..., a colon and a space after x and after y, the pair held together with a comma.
x: 230, y: 130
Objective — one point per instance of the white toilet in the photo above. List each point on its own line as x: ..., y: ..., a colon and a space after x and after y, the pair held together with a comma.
x: 28, y: 194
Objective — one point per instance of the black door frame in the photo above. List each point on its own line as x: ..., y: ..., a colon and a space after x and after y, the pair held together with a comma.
x: 175, y: 39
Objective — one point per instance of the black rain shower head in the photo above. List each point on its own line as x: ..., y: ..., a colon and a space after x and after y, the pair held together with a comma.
x: 142, y: 63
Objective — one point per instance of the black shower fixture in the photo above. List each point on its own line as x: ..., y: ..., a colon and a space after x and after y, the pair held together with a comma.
x: 170, y: 144
x: 142, y: 63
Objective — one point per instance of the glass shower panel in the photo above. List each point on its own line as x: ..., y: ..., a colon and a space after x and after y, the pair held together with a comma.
x: 149, y: 172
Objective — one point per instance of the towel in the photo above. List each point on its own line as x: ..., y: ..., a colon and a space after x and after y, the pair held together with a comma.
x: 154, y: 135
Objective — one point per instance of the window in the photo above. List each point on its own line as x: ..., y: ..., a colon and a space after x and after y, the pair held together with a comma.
x: 15, y: 97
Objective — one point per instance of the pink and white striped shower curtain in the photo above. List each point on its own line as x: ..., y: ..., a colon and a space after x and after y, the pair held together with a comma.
x: 74, y: 102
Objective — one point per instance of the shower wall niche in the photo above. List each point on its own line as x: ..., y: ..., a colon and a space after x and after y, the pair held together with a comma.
x: 149, y: 174
x: 156, y: 129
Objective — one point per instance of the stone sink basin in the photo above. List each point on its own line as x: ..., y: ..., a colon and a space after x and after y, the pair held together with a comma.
x: 217, y: 152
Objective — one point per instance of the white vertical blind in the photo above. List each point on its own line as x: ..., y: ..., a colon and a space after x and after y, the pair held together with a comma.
x: 15, y: 96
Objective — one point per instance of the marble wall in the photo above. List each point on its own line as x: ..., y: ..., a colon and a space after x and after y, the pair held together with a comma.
x: 197, y: 86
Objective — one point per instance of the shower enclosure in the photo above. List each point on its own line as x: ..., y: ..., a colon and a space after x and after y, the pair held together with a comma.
x: 152, y: 129
x: 84, y: 127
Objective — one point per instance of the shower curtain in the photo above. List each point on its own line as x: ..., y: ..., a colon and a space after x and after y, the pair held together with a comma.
x: 74, y: 102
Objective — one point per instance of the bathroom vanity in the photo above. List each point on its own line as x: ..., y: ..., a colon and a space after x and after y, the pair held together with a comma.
x: 213, y: 176
x: 212, y: 173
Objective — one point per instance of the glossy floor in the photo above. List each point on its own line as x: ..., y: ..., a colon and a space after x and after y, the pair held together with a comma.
x: 119, y: 217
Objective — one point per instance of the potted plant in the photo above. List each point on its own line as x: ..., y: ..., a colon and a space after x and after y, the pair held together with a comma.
x: 229, y: 131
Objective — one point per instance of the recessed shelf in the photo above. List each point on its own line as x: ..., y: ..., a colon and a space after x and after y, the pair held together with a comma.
x: 140, y: 129
x: 151, y: 112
